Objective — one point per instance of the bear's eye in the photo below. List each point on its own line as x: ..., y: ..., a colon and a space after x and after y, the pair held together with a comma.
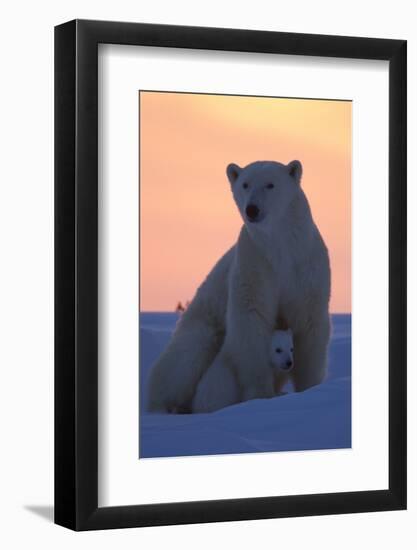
x: 278, y: 350
x: 292, y: 349
x: 245, y: 185
x: 269, y: 185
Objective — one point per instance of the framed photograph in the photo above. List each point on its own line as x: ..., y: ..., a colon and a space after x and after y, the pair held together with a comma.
x: 230, y: 256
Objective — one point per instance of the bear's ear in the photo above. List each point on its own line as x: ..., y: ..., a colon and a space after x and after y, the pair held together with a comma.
x: 233, y: 171
x: 289, y: 332
x: 295, y: 170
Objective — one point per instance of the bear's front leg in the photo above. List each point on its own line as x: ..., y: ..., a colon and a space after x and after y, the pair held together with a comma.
x: 217, y: 389
x: 250, y: 319
x: 245, y: 353
x: 310, y: 352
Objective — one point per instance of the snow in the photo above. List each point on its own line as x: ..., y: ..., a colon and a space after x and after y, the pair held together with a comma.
x: 319, y: 418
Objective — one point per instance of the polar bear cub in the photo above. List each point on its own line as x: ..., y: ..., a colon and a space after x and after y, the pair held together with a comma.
x: 218, y: 387
x: 281, y: 352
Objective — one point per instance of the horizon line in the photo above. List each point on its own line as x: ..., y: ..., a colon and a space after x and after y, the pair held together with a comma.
x: 173, y: 311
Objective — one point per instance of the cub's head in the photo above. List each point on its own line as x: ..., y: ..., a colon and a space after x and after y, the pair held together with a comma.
x: 281, y: 350
x: 263, y: 190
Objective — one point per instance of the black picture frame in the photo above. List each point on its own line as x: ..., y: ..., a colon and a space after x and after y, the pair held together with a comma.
x: 76, y: 274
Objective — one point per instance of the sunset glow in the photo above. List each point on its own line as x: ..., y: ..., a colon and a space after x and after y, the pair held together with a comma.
x: 187, y: 215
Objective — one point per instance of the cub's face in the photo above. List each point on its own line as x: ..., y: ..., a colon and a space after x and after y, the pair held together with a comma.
x: 281, y: 352
x: 263, y: 190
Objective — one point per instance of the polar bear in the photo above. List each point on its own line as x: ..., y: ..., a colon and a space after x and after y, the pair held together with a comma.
x: 279, y: 268
x: 281, y: 350
x: 218, y: 387
x: 281, y: 357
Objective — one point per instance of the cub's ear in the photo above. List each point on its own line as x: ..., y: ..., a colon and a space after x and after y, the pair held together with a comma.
x: 295, y: 170
x: 289, y: 332
x: 233, y: 171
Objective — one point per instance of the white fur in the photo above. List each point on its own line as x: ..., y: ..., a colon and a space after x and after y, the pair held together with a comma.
x: 218, y: 386
x: 217, y: 389
x: 279, y: 268
x: 281, y: 351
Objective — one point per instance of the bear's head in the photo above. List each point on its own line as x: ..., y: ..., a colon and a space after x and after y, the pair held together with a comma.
x: 263, y: 191
x: 281, y: 350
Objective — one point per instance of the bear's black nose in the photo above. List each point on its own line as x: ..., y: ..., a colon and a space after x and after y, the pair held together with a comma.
x: 289, y: 364
x: 252, y: 212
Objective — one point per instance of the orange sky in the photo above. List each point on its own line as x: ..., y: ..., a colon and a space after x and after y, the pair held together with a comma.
x: 188, y: 217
